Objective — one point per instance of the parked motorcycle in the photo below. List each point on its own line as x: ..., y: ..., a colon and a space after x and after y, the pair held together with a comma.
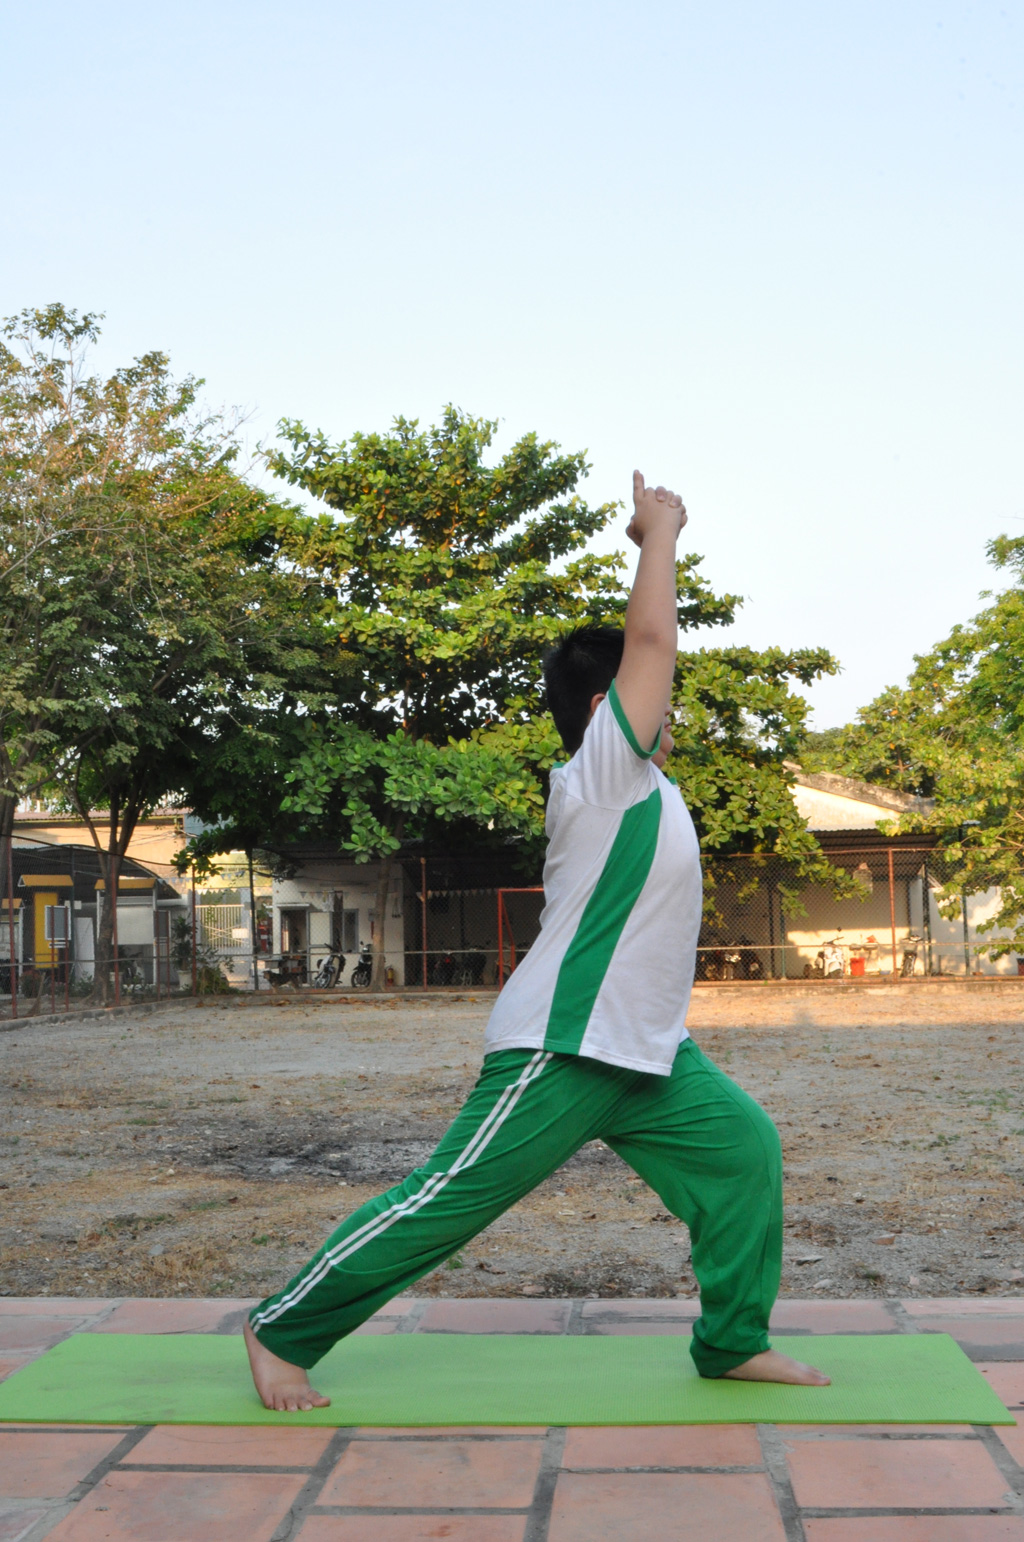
x: 828, y: 965
x: 330, y: 971
x: 908, y: 964
x: 363, y: 972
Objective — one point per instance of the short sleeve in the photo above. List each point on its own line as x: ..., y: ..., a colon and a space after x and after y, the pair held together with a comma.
x: 610, y: 768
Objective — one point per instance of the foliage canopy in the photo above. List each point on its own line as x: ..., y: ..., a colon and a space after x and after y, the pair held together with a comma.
x: 955, y: 733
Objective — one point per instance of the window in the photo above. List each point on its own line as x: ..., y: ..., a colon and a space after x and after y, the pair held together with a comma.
x: 349, y: 931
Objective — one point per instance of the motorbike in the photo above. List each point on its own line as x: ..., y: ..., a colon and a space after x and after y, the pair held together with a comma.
x: 828, y: 965
x: 363, y: 972
x: 908, y: 963
x: 330, y: 971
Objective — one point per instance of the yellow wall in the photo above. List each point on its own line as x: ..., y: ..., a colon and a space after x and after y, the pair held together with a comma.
x: 155, y: 842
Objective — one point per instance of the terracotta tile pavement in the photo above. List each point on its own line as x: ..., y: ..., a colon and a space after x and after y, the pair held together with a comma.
x: 663, y: 1445
x: 648, y: 1507
x: 59, y: 1306
x: 25, y: 1333
x: 891, y: 1474
x: 412, y: 1528
x: 168, y: 1316
x: 666, y: 1328
x: 901, y: 1483
x: 490, y: 1316
x: 35, y: 1464
x: 1006, y: 1380
x: 189, y: 1445
x: 639, y: 1308
x: 181, y: 1507
x: 418, y: 1474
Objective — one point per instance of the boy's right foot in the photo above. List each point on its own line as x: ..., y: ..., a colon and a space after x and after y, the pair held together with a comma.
x: 281, y: 1385
x: 771, y: 1366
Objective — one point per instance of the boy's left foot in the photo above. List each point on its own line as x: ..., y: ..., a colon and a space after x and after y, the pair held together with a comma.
x: 771, y: 1366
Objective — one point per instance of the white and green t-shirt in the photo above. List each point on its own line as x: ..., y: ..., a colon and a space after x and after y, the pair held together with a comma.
x: 611, y: 971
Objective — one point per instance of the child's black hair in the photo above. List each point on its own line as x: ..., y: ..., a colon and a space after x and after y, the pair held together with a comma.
x: 578, y: 668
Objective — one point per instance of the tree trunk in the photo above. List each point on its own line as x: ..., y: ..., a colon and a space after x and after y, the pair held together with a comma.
x: 120, y: 829
x: 383, y: 885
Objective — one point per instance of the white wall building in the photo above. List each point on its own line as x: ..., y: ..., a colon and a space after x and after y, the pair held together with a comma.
x: 330, y: 904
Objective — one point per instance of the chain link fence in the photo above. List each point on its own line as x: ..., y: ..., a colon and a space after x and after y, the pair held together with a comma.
x: 893, y: 910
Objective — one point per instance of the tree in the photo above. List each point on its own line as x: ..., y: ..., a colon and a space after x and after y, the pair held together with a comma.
x: 146, y: 576
x: 445, y: 579
x: 52, y: 474
x: 736, y: 723
x: 955, y: 733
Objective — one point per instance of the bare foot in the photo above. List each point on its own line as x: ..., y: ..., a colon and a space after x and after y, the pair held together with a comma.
x: 280, y: 1384
x: 771, y: 1366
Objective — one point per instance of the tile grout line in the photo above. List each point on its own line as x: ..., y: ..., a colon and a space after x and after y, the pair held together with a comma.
x: 774, y: 1455
x: 112, y: 1459
x: 237, y: 1469
x: 1009, y: 1470
x: 900, y: 1316
x: 880, y: 1512
x: 538, y: 1519
x: 833, y: 1432
x: 65, y: 1507
x: 411, y: 1320
x: 311, y: 1489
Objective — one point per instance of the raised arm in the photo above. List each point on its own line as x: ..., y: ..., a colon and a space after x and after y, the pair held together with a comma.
x: 644, y: 680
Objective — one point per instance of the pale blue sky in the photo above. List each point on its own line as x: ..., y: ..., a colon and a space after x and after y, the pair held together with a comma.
x: 769, y: 252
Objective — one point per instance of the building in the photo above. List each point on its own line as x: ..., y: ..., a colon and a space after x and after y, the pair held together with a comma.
x: 58, y: 897
x: 894, y: 923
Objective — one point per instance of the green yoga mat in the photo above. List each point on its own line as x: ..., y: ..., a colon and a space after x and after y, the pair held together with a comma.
x: 444, y: 1379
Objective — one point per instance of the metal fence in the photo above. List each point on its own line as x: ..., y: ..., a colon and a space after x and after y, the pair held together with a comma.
x: 892, y: 910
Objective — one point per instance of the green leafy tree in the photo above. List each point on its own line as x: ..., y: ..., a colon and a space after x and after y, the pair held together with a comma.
x: 955, y: 733
x: 147, y: 599
x: 445, y: 578
x: 736, y: 722
x: 53, y: 477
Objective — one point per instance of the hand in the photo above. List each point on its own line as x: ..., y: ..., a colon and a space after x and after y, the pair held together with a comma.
x: 653, y: 508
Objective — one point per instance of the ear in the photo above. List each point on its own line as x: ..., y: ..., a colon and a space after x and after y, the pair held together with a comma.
x: 595, y: 702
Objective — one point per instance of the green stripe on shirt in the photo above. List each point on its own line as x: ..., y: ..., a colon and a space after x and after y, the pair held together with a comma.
x: 606, y: 912
x: 627, y: 727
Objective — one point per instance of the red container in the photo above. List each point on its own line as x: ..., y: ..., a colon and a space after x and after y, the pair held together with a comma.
x: 856, y: 966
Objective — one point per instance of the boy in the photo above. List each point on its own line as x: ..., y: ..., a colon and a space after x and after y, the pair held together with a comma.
x: 587, y: 1040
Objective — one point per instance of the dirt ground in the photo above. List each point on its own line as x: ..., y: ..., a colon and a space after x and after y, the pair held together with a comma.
x: 207, y: 1149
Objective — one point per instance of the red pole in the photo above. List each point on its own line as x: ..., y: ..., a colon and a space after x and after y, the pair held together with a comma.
x: 10, y: 923
x: 423, y: 907
x: 195, y: 990
x: 892, y: 912
x: 53, y: 973
x: 69, y: 921
x: 501, y: 939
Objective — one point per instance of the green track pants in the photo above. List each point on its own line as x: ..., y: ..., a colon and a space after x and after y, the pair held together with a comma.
x: 706, y: 1149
